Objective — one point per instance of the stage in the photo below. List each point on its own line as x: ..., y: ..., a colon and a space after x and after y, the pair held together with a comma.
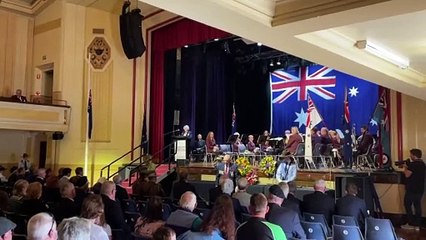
x: 205, y: 171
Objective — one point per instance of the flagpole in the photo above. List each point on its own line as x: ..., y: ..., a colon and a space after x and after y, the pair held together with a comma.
x: 86, y: 147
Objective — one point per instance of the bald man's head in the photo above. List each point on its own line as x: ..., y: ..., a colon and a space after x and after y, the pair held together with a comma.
x: 108, y: 189
x: 188, y: 201
x: 42, y: 226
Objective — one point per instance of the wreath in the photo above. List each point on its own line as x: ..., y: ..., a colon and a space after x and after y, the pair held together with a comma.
x: 267, y: 166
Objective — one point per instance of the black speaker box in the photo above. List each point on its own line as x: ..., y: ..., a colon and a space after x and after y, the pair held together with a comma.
x: 58, y: 136
x: 131, y: 32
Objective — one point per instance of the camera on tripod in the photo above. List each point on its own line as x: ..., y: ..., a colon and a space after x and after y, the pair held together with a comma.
x: 402, y: 162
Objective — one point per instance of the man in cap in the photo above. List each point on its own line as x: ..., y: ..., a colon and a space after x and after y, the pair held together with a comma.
x: 284, y: 217
x: 6, y: 227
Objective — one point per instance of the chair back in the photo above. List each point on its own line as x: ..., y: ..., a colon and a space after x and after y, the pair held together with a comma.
x: 318, y: 218
x: 241, y: 148
x: 300, y: 150
x: 314, y: 230
x: 167, y: 210
x: 202, y: 212
x: 377, y: 229
x: 130, y: 218
x: 129, y: 205
x: 344, y: 220
x: 346, y: 233
x: 225, y: 147
x: 20, y: 221
x: 317, y: 150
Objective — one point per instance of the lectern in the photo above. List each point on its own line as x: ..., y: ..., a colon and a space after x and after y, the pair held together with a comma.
x: 182, y: 147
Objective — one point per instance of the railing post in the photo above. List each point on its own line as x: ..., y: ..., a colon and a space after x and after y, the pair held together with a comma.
x: 108, y: 173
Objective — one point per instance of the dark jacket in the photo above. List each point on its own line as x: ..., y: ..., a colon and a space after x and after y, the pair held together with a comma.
x: 66, y: 208
x: 287, y: 219
x: 180, y: 187
x: 31, y: 207
x: 351, y: 205
x: 115, y: 218
x: 319, y: 203
x: 366, y: 141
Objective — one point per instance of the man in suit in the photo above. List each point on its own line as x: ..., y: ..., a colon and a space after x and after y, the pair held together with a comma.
x: 120, y: 192
x: 113, y: 213
x: 365, y: 142
x: 286, y: 203
x: 40, y: 175
x: 182, y: 185
x: 199, y: 148
x: 66, y: 207
x: 351, y: 205
x: 291, y: 196
x: 227, y: 169
x: 18, y: 97
x: 284, y: 217
x: 318, y: 202
x: 183, y: 216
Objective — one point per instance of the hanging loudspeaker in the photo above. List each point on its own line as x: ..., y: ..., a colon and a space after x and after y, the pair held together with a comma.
x: 131, y: 31
x: 58, y: 136
x: 176, y: 116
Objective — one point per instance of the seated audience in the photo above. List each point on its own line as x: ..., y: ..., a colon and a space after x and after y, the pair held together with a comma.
x: 218, y: 224
x: 40, y: 175
x: 152, y: 219
x: 351, y: 205
x: 33, y: 203
x: 17, y: 174
x: 18, y: 97
x: 79, y: 180
x: 319, y: 202
x: 18, y: 193
x: 182, y: 185
x: 216, y: 191
x: 66, y: 207
x: 96, y: 189
x: 284, y: 217
x: 291, y: 196
x: 286, y: 203
x: 120, y: 193
x: 74, y: 228
x: 152, y: 188
x: 183, y: 217
x: 257, y: 228
x: 66, y: 175
x: 164, y: 233
x: 227, y: 188
x: 113, y: 213
x: 4, y: 200
x: 92, y: 210
x: 242, y: 194
x: 6, y: 228
x: 3, y: 179
x: 42, y: 226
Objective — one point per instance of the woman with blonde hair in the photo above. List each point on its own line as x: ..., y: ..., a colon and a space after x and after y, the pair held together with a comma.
x: 19, y: 192
x: 293, y: 141
x: 32, y: 202
x: 93, y: 210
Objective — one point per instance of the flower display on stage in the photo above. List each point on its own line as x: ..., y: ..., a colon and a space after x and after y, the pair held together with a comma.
x: 267, y: 166
x: 252, y: 177
x: 244, y: 166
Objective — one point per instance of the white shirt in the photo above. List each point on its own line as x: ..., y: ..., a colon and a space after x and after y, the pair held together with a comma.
x: 97, y: 233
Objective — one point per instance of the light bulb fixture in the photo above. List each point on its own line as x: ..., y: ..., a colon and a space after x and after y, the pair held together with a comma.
x: 382, y: 53
x: 216, y: 39
x: 278, y: 62
x: 271, y: 63
x: 186, y: 46
x: 259, y: 44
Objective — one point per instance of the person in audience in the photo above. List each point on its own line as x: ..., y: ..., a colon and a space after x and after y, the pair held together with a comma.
x: 284, y: 217
x: 18, y: 193
x: 287, y: 170
x: 257, y: 228
x: 291, y: 197
x: 40, y: 175
x: 227, y: 188
x: 414, y: 172
x: 74, y: 228
x: 15, y: 174
x: 120, y: 193
x: 183, y: 217
x: 182, y: 185
x: 66, y: 207
x: 42, y: 226
x: 210, y: 142
x: 152, y: 188
x: 3, y: 179
x: 251, y: 146
x: 288, y: 204
x: 92, y: 210
x: 152, y: 219
x: 186, y: 132
x: 351, y: 205
x: 4, y: 199
x: 18, y: 97
x: 242, y: 194
x: 293, y: 141
x: 140, y: 184
x: 218, y: 224
x: 66, y: 175
x: 6, y: 228
x: 319, y: 202
x: 226, y: 168
x: 25, y: 163
x: 164, y: 233
x: 113, y: 213
x: 33, y: 203
x: 104, y: 225
x: 96, y: 189
x: 216, y: 191
x: 52, y: 181
x: 79, y: 180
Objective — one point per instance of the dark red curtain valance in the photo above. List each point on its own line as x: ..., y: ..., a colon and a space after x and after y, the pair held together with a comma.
x: 174, y: 35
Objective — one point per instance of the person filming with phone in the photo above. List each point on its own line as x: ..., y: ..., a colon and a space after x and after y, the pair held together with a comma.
x: 414, y: 171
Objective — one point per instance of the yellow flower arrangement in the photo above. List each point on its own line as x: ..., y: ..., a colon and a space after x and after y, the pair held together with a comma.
x: 267, y: 166
x: 244, y: 166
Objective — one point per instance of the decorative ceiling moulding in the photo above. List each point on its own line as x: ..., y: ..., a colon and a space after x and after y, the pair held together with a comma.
x: 28, y: 7
x: 288, y: 11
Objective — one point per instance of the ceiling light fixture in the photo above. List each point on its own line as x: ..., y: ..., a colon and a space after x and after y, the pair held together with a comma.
x: 186, y: 46
x: 271, y: 63
x: 216, y: 39
x: 278, y: 62
x: 259, y: 44
x: 382, y: 53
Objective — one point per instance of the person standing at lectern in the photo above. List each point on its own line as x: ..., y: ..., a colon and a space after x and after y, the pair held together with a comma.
x: 186, y: 132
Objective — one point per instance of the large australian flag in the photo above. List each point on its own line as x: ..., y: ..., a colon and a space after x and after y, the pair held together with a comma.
x: 326, y: 87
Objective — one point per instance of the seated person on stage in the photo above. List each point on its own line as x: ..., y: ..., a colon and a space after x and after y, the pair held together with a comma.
x: 315, y: 136
x: 18, y: 97
x: 236, y: 143
x: 284, y: 217
x: 183, y: 216
x: 211, y: 143
x: 262, y: 138
x: 366, y: 141
x: 226, y: 168
x: 251, y: 146
x: 293, y: 141
x: 351, y: 205
x: 199, y: 149
x: 287, y: 170
x: 325, y: 140
x: 319, y: 202
x: 266, y: 147
x: 337, y: 144
x: 186, y: 132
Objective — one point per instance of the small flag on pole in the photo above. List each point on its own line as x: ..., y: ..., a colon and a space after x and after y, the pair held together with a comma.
x: 90, y: 115
x: 234, y: 119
